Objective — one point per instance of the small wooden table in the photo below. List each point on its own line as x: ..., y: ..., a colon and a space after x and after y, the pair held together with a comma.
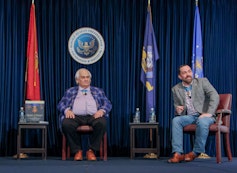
x: 151, y: 127
x: 43, y: 149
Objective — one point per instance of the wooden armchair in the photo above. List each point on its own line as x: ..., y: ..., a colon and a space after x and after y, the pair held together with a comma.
x: 221, y: 127
x: 85, y: 129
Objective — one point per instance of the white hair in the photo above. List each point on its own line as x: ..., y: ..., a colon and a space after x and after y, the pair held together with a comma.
x: 77, y: 75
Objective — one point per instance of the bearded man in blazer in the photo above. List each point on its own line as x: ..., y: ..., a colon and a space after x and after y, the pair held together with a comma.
x: 195, y: 102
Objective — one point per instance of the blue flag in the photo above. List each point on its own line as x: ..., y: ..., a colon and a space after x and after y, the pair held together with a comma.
x: 148, y: 70
x: 197, y: 57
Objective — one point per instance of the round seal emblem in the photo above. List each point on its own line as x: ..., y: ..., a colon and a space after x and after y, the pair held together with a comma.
x: 86, y: 45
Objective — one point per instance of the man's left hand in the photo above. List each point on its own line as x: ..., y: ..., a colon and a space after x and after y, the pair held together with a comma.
x: 99, y: 113
x: 205, y: 115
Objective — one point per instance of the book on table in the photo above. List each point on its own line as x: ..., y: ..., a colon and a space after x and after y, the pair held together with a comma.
x: 34, y: 111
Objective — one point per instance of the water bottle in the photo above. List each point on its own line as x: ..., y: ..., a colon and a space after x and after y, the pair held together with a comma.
x: 152, y: 117
x: 136, y: 118
x: 22, y: 115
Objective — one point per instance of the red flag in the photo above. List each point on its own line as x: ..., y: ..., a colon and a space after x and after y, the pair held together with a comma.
x: 32, y: 66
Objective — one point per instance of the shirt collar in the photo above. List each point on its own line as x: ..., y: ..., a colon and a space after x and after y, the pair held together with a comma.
x: 187, y: 88
x: 80, y: 88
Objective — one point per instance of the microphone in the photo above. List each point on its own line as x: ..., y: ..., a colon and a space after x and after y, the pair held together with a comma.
x: 189, y: 94
x: 84, y: 92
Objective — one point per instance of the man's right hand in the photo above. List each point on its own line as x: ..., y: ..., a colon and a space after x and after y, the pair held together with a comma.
x: 70, y: 114
x: 179, y: 109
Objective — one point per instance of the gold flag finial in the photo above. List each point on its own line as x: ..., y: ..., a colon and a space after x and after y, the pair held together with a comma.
x: 149, y: 2
x: 196, y: 2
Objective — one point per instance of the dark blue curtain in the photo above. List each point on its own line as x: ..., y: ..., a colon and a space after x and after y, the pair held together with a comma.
x: 122, y: 24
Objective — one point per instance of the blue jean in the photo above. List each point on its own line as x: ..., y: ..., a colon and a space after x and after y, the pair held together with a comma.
x: 201, y: 133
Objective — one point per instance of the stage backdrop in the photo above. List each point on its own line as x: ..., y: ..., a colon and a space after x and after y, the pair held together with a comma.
x: 122, y: 24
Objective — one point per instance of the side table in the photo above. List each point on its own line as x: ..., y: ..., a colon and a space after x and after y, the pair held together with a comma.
x: 43, y: 149
x: 149, y: 126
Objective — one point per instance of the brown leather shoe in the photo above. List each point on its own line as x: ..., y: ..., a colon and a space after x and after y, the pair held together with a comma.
x: 177, y: 158
x: 190, y: 156
x: 90, y: 155
x: 78, y: 156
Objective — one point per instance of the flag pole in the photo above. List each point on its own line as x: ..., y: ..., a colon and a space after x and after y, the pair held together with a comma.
x: 23, y: 155
x: 151, y: 140
x: 150, y: 155
x: 202, y: 155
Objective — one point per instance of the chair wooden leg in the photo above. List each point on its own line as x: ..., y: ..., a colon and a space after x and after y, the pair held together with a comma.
x: 227, y: 145
x: 218, y: 146
x: 105, y: 146
x: 101, y: 150
x: 64, y: 147
x: 68, y: 152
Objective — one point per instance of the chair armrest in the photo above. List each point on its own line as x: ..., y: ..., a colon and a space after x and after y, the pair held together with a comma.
x: 223, y: 111
x: 220, y: 113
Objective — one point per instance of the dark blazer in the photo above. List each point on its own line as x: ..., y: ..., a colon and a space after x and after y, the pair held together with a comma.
x: 205, y: 98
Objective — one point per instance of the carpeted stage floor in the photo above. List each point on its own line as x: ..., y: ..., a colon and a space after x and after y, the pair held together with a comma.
x: 114, y: 165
